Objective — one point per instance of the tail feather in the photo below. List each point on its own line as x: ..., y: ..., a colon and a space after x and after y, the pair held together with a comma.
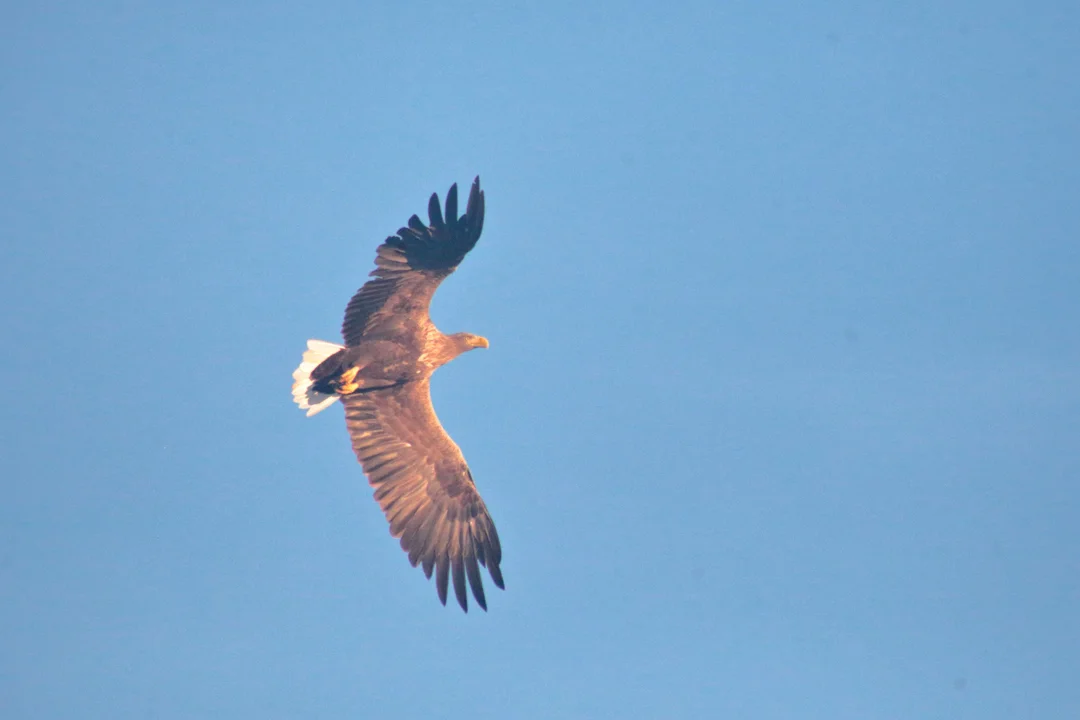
x: 303, y: 395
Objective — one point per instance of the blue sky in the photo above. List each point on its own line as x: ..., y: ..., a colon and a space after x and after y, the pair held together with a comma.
x: 781, y: 414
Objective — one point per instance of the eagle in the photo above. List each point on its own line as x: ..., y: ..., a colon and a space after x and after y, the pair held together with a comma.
x: 382, y: 376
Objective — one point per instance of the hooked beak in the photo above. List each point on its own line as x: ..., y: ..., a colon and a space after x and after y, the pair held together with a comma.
x: 479, y: 342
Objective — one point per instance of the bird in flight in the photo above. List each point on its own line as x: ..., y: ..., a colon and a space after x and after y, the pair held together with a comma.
x: 382, y: 375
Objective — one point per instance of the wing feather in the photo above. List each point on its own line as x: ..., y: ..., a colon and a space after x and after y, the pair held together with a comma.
x: 472, y: 569
x: 457, y: 552
x: 410, y: 265
x: 424, y: 487
x: 451, y: 202
x: 435, y: 212
x: 442, y: 572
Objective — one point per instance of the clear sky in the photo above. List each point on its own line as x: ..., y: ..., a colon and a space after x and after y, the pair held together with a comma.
x: 781, y: 414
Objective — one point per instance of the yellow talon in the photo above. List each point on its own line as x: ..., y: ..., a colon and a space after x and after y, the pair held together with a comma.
x: 346, y: 384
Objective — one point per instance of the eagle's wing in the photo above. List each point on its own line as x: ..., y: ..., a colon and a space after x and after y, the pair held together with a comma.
x: 410, y: 265
x: 425, y: 488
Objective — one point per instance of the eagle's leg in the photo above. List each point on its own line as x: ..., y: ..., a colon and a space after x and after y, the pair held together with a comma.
x: 334, y: 382
x: 346, y: 382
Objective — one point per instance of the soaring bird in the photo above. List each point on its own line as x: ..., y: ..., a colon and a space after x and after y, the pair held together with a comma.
x: 382, y: 376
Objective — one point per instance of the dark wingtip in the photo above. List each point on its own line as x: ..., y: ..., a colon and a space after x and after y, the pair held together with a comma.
x: 435, y: 212
x: 496, y: 575
x: 451, y: 205
x: 458, y: 574
x: 472, y: 571
x: 474, y: 211
x: 418, y: 225
x: 442, y: 572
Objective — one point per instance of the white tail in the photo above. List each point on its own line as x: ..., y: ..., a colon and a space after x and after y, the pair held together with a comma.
x: 303, y: 395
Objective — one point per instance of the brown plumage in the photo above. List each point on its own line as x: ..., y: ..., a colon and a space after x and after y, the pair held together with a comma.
x: 382, y: 375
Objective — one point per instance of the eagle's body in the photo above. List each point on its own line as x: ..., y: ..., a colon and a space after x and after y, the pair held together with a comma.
x: 382, y: 376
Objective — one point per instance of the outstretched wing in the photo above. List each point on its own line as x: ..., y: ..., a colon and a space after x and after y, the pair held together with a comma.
x: 410, y: 265
x: 425, y: 488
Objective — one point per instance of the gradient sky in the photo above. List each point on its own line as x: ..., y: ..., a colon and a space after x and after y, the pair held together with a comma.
x: 781, y: 415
